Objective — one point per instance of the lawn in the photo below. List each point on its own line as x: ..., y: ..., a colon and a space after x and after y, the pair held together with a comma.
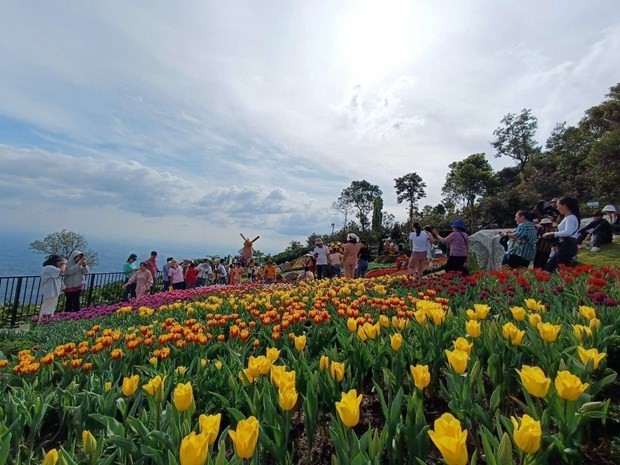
x: 609, y: 255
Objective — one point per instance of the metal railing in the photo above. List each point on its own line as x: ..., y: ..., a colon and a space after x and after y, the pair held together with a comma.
x: 21, y: 295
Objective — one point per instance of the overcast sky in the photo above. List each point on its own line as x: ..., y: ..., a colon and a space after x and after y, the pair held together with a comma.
x: 195, y: 121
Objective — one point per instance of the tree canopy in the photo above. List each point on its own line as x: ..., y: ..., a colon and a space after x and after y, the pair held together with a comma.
x: 361, y: 195
x: 410, y: 189
x: 64, y: 243
x: 515, y: 137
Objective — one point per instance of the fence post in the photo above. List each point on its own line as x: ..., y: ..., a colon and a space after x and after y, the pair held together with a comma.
x: 18, y: 291
x: 91, y: 285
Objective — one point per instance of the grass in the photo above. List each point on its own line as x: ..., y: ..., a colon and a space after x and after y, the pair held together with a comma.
x: 609, y: 255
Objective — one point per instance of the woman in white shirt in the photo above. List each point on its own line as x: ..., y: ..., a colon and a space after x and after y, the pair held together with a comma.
x: 51, y: 284
x: 419, y: 243
x: 567, y: 234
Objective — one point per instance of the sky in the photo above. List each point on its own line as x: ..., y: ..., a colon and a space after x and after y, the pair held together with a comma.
x: 192, y: 122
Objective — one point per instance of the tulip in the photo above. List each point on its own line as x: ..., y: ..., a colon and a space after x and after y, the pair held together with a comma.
x: 437, y: 315
x: 535, y: 319
x: 590, y: 354
x: 203, y: 363
x: 245, y: 437
x: 107, y: 386
x: 218, y: 365
x: 89, y: 443
x: 534, y: 305
x: 518, y: 313
x: 569, y: 386
x: 450, y: 439
x: 51, y: 457
x: 362, y: 334
x: 372, y: 331
x: 421, y: 376
x: 300, y: 343
x: 595, y: 323
x: 528, y: 434
x: 210, y: 426
x: 587, y: 312
x: 324, y: 363
x: 482, y: 310
x: 276, y: 372
x: 473, y: 328
x: 420, y: 316
x: 155, y: 388
x: 181, y: 370
x: 247, y: 376
x: 384, y: 321
x: 549, y: 332
x: 183, y: 396
x: 462, y: 344
x: 399, y: 323
x: 349, y: 408
x: 272, y: 354
x: 581, y: 331
x: 534, y: 381
x: 458, y: 360
x: 336, y: 370
x: 287, y: 398
x: 153, y: 361
x: 512, y: 333
x: 352, y: 324
x: 471, y: 314
x: 130, y: 385
x: 396, y: 341
x: 194, y: 449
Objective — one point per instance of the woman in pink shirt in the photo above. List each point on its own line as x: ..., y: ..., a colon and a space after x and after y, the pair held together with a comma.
x: 143, y: 279
x: 351, y: 250
x: 458, y: 240
x: 175, y: 273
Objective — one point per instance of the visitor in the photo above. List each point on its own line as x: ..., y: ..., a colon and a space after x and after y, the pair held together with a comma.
x: 305, y: 275
x: 236, y: 273
x: 521, y: 242
x: 310, y: 262
x: 600, y: 233
x: 401, y: 261
x: 191, y: 276
x: 221, y: 274
x: 538, y: 212
x: 419, y: 248
x: 567, y: 233
x: 321, y: 255
x: 351, y: 250
x: 270, y: 272
x: 164, y: 273
x: 77, y: 267
x: 175, y: 275
x: 336, y: 262
x: 613, y: 218
x: 129, y: 268
x: 142, y: 280
x: 544, y: 245
x: 430, y: 247
x: 363, y: 259
x: 151, y: 265
x: 204, y: 270
x: 458, y: 240
x: 51, y: 284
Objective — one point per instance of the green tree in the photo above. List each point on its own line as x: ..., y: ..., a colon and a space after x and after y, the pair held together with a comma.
x: 604, y: 160
x: 64, y: 243
x: 343, y: 207
x: 361, y: 195
x: 410, y: 189
x: 468, y: 179
x: 377, y: 216
x: 515, y: 137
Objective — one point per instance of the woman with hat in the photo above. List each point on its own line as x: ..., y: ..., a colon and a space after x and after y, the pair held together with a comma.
x: 458, y: 240
x: 351, y: 251
x: 544, y: 245
x: 613, y: 217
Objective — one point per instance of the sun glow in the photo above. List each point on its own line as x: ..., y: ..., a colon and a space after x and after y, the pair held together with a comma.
x: 378, y: 37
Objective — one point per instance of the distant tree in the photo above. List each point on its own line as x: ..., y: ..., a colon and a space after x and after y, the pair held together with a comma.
x: 604, y: 117
x: 377, y: 216
x: 361, y: 196
x: 410, y: 189
x: 343, y: 207
x: 292, y: 251
x: 515, y: 137
x: 604, y: 160
x: 64, y: 243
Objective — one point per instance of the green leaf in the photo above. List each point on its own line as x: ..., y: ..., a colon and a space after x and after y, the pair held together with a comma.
x: 124, y: 444
x: 5, y: 447
x: 113, y: 427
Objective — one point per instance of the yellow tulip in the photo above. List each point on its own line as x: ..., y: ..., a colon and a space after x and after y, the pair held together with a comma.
x: 421, y: 376
x: 107, y: 386
x: 203, y: 362
x: 590, y: 354
x: 396, y: 341
x: 518, y: 313
x: 372, y: 331
x: 420, y: 316
x: 130, y: 385
x: 362, y: 334
x: 549, y: 332
x: 384, y: 321
x: 324, y: 363
x: 534, y: 380
x: 527, y: 434
x: 247, y: 376
x: 153, y: 361
x: 473, y: 328
x: 336, y: 370
x: 437, y: 315
x: 399, y: 323
x: 287, y: 398
x: 462, y: 344
x: 300, y: 343
x: 181, y: 370
x: 534, y: 305
x: 482, y: 310
x: 210, y: 426
x: 183, y: 396
x: 471, y: 314
x: 512, y: 334
x: 587, y: 312
x: 569, y: 386
x: 51, y: 457
x: 89, y: 443
x: 349, y: 408
x: 245, y: 437
x: 450, y: 439
x: 535, y: 319
x: 218, y: 365
x: 581, y: 331
x: 272, y: 354
x: 352, y: 324
x: 458, y: 360
x: 155, y: 388
x: 194, y: 449
x: 276, y: 372
x: 595, y: 323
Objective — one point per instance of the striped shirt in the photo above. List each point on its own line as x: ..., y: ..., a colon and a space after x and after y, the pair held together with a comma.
x: 524, y: 245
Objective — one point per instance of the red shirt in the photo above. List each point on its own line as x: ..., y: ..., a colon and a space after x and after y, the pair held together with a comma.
x: 191, y: 276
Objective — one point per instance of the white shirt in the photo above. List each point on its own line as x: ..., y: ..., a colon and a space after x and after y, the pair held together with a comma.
x: 203, y: 270
x: 418, y: 243
x: 568, y: 227
x: 320, y: 254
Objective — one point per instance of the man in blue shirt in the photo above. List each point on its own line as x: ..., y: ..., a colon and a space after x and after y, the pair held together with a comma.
x: 522, y: 242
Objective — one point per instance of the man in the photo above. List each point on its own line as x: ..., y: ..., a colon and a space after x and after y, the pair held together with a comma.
x: 601, y: 232
x: 151, y: 265
x: 522, y: 242
x: 321, y: 255
x: 222, y: 275
x: 165, y: 277
x: 204, y: 270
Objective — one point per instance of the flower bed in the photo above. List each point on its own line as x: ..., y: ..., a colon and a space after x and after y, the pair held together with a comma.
x: 496, y: 368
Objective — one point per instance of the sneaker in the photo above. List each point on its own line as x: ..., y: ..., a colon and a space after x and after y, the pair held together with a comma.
x: 595, y: 249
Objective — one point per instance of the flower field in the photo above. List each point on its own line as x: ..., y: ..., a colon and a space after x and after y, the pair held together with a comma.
x: 508, y: 367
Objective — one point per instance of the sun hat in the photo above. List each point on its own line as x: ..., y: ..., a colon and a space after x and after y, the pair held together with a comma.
x: 352, y: 236
x: 459, y: 224
x: 546, y: 221
x: 318, y: 241
x: 609, y: 209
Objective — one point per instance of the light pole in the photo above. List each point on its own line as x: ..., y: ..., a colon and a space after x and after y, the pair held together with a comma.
x: 333, y: 224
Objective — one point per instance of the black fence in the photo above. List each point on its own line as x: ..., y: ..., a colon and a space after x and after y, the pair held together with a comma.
x: 21, y: 295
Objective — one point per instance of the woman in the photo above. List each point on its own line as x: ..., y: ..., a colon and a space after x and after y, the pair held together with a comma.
x: 129, y: 269
x: 363, y: 259
x: 77, y: 267
x: 175, y: 275
x: 51, y: 284
x: 142, y: 280
x: 351, y: 250
x: 419, y: 246
x: 336, y: 260
x: 458, y: 240
x: 543, y: 247
x: 567, y: 232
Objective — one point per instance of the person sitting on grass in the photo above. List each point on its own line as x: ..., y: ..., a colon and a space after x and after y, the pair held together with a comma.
x: 305, y: 275
x: 599, y: 230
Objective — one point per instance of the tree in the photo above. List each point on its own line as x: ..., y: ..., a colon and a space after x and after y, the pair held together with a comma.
x: 361, y: 195
x: 515, y: 137
x: 410, y: 189
x: 468, y: 179
x: 377, y: 215
x: 604, y: 160
x: 342, y: 206
x: 64, y: 243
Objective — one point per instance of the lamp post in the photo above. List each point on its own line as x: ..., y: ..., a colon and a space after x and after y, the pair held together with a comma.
x: 333, y: 224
